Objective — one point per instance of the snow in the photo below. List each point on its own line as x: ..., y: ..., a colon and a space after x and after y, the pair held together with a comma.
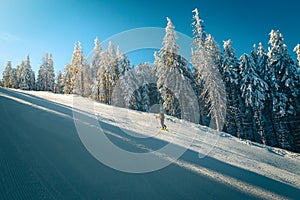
x: 276, y: 164
x: 227, y: 149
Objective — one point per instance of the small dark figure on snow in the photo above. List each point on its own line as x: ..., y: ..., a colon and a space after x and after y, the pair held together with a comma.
x: 161, y: 116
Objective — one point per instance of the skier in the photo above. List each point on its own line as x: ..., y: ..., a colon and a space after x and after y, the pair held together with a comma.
x: 161, y: 116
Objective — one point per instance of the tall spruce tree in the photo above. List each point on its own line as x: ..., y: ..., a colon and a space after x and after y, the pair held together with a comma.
x: 27, y: 76
x: 41, y: 79
x: 166, y: 66
x: 67, y: 80
x: 254, y: 91
x: 123, y: 62
x: 97, y: 51
x: 231, y: 76
x: 283, y: 90
x: 7, y: 75
x: 50, y: 73
x: 95, y: 67
x: 80, y: 72
x: 13, y: 78
x: 197, y: 51
x: 175, y: 80
x: 108, y: 74
x: 59, y: 85
x: 206, y: 59
x: 46, y: 75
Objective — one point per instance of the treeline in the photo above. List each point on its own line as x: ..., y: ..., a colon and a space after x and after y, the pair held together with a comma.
x: 259, y: 92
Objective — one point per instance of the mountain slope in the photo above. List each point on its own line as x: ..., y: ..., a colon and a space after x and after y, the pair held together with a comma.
x: 42, y: 139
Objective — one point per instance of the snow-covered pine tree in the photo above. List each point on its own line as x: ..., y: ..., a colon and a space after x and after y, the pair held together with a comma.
x: 198, y: 32
x: 67, y: 80
x: 76, y: 70
x: 19, y: 69
x: 13, y: 78
x: 80, y: 72
x: 123, y: 62
x: 95, y: 67
x: 46, y: 76
x: 254, y: 56
x: 262, y: 69
x: 213, y: 83
x: 27, y: 81
x: 114, y: 73
x: 108, y: 74
x: 97, y: 51
x: 41, y: 79
x: 145, y: 98
x: 175, y: 79
x: 59, y: 83
x: 50, y: 73
x: 231, y: 76
x: 206, y: 59
x: 262, y: 62
x: 148, y: 89
x: 254, y: 92
x: 198, y: 46
x: 7, y: 75
x: 86, y: 73
x: 283, y: 90
x: 165, y: 63
x: 126, y: 93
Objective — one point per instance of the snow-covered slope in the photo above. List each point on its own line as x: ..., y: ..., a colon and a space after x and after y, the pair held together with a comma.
x: 276, y: 164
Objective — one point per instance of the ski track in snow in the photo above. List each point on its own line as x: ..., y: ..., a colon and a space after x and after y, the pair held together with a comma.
x: 283, y: 167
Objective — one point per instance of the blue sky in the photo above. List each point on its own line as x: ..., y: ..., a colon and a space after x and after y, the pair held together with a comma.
x: 37, y: 26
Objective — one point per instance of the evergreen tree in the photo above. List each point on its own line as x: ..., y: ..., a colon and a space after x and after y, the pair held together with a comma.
x: 76, y: 73
x: 50, y: 73
x: 283, y: 92
x: 126, y: 93
x: 262, y: 63
x: 13, y: 78
x: 20, y: 69
x: 197, y: 60
x: 80, y: 72
x: 166, y: 71
x: 108, y: 74
x: 95, y: 68
x: 67, y: 80
x: 59, y: 86
x: 86, y: 73
x: 148, y: 90
x: 123, y: 62
x: 97, y: 51
x: 254, y: 91
x: 198, y: 32
x: 206, y: 59
x: 41, y: 79
x: 7, y: 75
x: 175, y: 79
x: 27, y: 81
x: 46, y: 76
x: 231, y: 76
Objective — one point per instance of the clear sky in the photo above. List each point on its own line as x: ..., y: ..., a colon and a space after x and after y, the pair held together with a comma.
x: 37, y: 26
